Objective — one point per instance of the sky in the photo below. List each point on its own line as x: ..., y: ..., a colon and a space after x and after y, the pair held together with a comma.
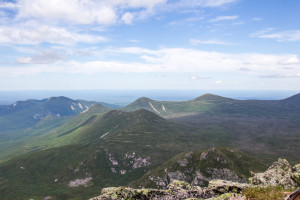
x: 149, y: 44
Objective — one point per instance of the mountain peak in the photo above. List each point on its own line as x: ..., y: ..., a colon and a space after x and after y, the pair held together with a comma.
x: 211, y: 97
x: 295, y: 97
x: 143, y: 99
x: 140, y: 103
x: 59, y: 98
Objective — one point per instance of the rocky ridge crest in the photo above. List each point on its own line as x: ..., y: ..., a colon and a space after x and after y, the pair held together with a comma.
x: 279, y: 173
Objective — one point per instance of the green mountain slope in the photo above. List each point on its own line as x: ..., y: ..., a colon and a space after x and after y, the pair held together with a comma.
x: 24, y: 114
x: 199, y: 167
x: 115, y: 148
x: 110, y: 149
x: 42, y: 135
x: 27, y: 120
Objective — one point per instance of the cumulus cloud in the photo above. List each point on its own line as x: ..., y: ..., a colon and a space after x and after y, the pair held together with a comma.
x: 48, y: 34
x: 101, y: 12
x: 127, y: 18
x: 84, y: 11
x: 281, y: 36
x: 224, y: 18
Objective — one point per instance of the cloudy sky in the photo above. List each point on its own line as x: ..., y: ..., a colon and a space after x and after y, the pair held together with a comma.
x: 149, y: 44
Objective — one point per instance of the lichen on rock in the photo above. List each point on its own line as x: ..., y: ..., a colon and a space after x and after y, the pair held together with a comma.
x: 279, y: 173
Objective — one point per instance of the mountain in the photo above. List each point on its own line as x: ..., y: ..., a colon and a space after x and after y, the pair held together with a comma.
x: 122, y: 126
x: 199, y: 167
x: 213, y: 98
x: 25, y: 120
x: 293, y: 102
x: 72, y: 156
x: 112, y: 106
x: 23, y: 114
x: 108, y: 149
x: 217, y: 105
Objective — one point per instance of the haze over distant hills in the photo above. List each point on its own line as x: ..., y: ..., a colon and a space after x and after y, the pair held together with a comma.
x: 71, y: 148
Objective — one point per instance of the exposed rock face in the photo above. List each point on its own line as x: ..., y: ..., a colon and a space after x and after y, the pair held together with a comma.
x: 177, y: 190
x: 127, y: 163
x: 80, y: 182
x: 279, y: 173
x: 200, y: 167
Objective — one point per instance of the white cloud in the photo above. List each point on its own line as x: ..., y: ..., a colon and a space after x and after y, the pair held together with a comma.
x: 190, y: 21
x: 283, y: 36
x: 7, y: 5
x: 195, y: 42
x: 200, y: 3
x: 193, y: 77
x: 173, y: 60
x: 40, y: 34
x: 224, y: 18
x: 134, y: 41
x: 290, y: 61
x: 257, y: 19
x: 215, y: 3
x: 281, y: 76
x: 127, y: 18
x: 101, y: 12
x: 84, y: 11
x: 197, y: 78
x: 42, y: 57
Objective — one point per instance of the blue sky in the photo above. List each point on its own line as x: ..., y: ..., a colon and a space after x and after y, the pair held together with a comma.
x: 150, y: 44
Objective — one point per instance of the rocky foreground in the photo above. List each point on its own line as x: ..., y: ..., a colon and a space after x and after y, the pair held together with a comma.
x: 279, y: 173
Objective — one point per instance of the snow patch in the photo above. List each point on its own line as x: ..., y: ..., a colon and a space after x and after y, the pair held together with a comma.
x: 72, y: 107
x: 153, y: 107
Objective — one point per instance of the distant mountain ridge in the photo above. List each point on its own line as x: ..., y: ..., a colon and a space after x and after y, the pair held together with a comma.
x: 214, y: 104
x: 28, y: 119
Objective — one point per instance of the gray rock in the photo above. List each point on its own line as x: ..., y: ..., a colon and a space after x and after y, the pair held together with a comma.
x: 279, y: 173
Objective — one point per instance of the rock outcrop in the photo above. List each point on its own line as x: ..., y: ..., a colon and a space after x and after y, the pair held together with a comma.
x: 179, y: 190
x: 279, y: 173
